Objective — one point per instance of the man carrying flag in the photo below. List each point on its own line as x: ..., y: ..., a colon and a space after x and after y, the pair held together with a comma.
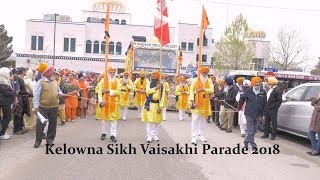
x: 140, y: 85
x: 182, y: 92
x: 200, y: 91
x: 126, y: 86
x: 108, y: 94
x: 152, y: 111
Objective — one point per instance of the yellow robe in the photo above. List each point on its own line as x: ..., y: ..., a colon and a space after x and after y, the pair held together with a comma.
x: 152, y: 116
x: 177, y: 92
x: 111, y: 116
x: 200, y: 110
x: 167, y: 90
x: 136, y: 102
x: 125, y: 102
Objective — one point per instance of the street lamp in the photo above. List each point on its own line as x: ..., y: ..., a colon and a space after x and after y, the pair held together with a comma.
x: 54, y: 37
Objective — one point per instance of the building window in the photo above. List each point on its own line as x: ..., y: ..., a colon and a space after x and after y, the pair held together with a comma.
x: 88, y: 46
x: 190, y: 46
x: 118, y: 48
x: 103, y: 47
x: 96, y: 47
x: 40, y: 43
x: 33, y: 42
x: 183, y: 46
x: 123, y: 22
x: 116, y: 21
x: 111, y: 21
x: 103, y: 20
x: 111, y: 47
x: 204, y: 58
x: 66, y: 44
x: 258, y: 64
x: 73, y: 45
x: 205, y: 42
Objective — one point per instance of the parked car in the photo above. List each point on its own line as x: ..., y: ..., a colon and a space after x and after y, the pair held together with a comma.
x: 295, y: 112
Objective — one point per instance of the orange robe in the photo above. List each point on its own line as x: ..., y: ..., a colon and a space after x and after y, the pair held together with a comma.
x: 72, y: 102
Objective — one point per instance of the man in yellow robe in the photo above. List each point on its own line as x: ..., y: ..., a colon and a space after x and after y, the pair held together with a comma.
x: 200, y: 91
x: 126, y: 86
x: 108, y: 94
x: 152, y: 111
x: 140, y: 85
x: 166, y: 103
x: 182, y: 94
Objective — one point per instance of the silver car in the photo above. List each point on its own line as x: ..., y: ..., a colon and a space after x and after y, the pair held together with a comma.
x: 295, y: 112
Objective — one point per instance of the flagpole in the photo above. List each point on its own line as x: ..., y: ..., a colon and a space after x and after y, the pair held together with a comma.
x: 161, y: 10
x: 132, y: 60
x: 106, y: 29
x: 200, y: 47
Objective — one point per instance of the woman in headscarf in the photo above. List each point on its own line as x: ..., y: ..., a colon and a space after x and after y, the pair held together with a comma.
x: 28, y: 80
x: 84, y: 95
x: 72, y: 98
x: 7, y: 94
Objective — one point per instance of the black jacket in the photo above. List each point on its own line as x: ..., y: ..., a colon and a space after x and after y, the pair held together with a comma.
x: 6, y: 95
x: 275, y: 98
x: 230, y: 98
x: 256, y: 105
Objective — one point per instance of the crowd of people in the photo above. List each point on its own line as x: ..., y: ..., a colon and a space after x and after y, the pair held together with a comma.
x: 73, y: 95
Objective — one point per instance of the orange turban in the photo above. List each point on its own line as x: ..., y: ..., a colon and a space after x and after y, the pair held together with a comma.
x: 180, y: 79
x: 126, y: 73
x: 240, y: 80
x: 142, y: 72
x: 111, y: 69
x: 255, y: 80
x: 48, y: 72
x: 204, y: 70
x: 156, y: 74
x: 42, y: 67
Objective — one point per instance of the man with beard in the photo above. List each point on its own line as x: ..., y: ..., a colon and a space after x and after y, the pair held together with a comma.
x: 140, y: 85
x: 45, y: 101
x: 230, y: 105
x: 182, y: 92
x: 165, y: 99
x: 212, y: 97
x: 152, y: 111
x: 241, y: 118
x: 218, y: 98
x: 200, y: 91
x: 109, y: 93
x: 256, y: 105
x: 126, y: 86
x: 239, y: 86
x: 274, y: 99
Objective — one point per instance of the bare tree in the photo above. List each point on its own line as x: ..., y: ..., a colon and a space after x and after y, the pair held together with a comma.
x: 290, y: 52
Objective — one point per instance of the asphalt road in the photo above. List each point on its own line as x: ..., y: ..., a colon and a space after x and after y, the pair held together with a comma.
x: 19, y: 160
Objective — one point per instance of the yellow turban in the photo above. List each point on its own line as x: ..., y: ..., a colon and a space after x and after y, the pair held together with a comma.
x: 272, y: 81
x: 42, y: 67
x: 142, y: 72
x: 111, y: 69
x: 240, y: 80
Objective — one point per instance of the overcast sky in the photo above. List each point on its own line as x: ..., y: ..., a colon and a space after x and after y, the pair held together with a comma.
x: 300, y: 15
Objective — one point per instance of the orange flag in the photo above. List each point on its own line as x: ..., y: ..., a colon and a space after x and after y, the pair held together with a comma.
x: 204, y: 20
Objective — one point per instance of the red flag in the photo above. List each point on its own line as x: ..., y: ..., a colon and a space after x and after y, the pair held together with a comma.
x: 165, y: 37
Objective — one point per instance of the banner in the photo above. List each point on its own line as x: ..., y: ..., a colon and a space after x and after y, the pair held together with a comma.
x: 147, y: 57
